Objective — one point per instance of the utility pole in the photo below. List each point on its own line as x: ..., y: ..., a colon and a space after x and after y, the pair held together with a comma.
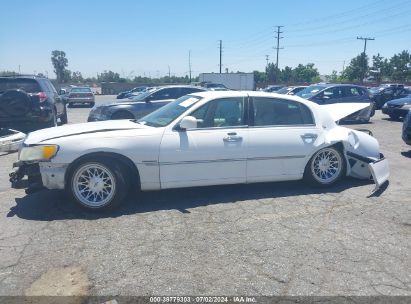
x: 267, y: 58
x: 169, y: 74
x: 278, y: 42
x: 221, y: 54
x: 364, y: 53
x: 189, y: 64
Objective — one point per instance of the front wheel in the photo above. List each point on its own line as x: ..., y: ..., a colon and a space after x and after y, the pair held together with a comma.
x: 325, y: 167
x: 98, y: 184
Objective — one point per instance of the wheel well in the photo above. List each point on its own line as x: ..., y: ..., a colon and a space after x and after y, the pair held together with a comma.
x: 125, y: 161
x: 340, y: 146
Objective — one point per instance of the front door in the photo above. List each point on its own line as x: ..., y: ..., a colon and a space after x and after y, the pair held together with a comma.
x: 213, y: 153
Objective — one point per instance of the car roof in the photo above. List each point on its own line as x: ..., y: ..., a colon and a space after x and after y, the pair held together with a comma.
x: 178, y: 86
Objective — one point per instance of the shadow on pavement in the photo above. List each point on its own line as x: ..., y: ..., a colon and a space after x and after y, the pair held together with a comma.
x: 50, y: 205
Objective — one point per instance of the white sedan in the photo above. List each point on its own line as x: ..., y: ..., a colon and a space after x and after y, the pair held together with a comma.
x: 207, y: 138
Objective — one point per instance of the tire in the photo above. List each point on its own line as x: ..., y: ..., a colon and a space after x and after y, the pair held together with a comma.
x: 51, y: 123
x: 394, y: 116
x: 63, y: 117
x: 92, y: 104
x: 122, y: 115
x: 319, y: 172
x: 108, y: 180
x: 15, y: 102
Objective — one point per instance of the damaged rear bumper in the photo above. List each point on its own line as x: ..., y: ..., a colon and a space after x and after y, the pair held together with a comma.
x: 365, y: 167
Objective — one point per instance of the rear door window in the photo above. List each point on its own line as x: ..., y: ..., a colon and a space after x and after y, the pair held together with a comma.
x: 280, y: 112
x: 27, y: 85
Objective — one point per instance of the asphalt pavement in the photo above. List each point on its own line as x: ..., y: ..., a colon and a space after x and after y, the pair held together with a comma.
x: 263, y: 239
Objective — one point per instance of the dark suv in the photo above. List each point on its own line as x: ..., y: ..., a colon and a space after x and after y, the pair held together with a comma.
x: 326, y: 93
x: 29, y: 103
x: 385, y: 93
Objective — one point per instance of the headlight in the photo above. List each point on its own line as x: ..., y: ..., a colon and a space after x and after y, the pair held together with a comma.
x: 406, y: 106
x: 385, y: 105
x: 40, y: 153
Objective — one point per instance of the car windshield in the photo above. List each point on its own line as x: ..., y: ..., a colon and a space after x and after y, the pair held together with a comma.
x: 310, y: 91
x: 80, y: 90
x: 284, y: 90
x: 169, y: 112
x: 215, y: 85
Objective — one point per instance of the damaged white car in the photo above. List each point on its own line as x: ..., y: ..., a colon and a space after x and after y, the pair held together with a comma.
x: 208, y: 138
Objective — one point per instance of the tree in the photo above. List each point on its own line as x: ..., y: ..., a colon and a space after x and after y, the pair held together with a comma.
x: 357, y: 69
x: 272, y: 73
x: 305, y: 73
x: 333, y: 77
x: 77, y: 77
x: 399, y: 63
x: 287, y: 74
x: 108, y: 76
x: 60, y: 62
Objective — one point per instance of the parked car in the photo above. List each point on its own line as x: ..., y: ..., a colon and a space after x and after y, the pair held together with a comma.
x: 200, y: 139
x: 406, y: 128
x: 214, y: 86
x: 125, y: 94
x: 380, y: 95
x: 142, y: 104
x: 397, y: 108
x: 273, y: 88
x: 134, y: 94
x: 79, y: 95
x: 290, y: 90
x: 327, y: 93
x: 29, y: 103
x: 10, y: 140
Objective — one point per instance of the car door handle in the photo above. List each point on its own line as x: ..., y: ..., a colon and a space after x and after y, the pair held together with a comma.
x: 232, y: 137
x: 309, y: 136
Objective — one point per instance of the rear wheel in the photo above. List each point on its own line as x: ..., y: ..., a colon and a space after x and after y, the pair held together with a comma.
x: 63, y: 117
x: 98, y: 184
x: 325, y: 167
x: 122, y: 115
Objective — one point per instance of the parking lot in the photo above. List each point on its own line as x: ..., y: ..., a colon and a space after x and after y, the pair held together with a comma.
x: 262, y: 239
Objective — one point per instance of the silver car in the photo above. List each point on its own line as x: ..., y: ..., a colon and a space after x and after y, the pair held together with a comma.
x: 80, y: 95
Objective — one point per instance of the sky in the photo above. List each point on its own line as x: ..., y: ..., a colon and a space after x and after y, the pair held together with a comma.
x: 151, y: 38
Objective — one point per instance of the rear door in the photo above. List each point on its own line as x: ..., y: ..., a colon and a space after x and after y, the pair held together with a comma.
x: 281, y: 137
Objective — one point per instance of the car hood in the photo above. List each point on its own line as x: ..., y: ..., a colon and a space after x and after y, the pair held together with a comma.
x: 40, y: 136
x: 130, y: 103
x: 400, y: 101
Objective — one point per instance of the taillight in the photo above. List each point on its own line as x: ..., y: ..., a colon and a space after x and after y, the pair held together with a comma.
x: 42, y: 96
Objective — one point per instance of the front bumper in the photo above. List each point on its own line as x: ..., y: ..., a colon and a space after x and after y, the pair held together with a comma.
x: 32, y: 183
x: 395, y: 111
x: 37, y: 176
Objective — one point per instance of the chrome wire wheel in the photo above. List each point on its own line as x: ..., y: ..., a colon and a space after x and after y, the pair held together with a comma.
x: 94, y: 185
x: 326, y: 166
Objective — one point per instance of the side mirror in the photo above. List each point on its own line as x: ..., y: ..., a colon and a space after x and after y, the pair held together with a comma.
x: 188, y: 122
x: 147, y: 99
x: 62, y: 92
